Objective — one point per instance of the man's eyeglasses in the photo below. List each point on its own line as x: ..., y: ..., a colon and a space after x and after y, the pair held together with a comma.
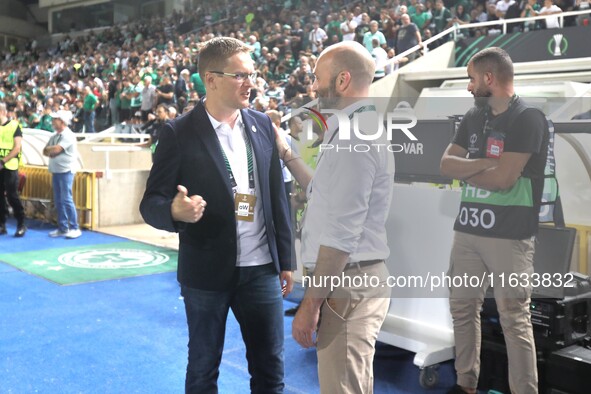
x: 240, y: 77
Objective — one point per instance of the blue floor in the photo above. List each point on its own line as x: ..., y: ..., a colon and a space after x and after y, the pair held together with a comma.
x: 129, y: 336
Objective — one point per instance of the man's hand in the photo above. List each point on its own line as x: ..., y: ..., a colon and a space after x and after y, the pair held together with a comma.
x: 187, y: 209
x: 305, y: 324
x: 286, y: 280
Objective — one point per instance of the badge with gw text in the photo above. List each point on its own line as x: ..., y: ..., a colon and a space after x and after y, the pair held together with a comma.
x: 244, y: 205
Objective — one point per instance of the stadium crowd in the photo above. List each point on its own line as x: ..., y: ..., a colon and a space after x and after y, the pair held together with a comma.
x: 124, y: 73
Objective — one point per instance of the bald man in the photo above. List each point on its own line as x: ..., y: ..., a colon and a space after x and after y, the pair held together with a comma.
x: 344, y: 234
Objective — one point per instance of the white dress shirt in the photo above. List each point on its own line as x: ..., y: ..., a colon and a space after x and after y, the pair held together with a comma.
x: 253, y: 248
x: 349, y: 196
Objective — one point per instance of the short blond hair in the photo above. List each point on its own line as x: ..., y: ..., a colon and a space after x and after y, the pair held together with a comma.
x: 215, y: 53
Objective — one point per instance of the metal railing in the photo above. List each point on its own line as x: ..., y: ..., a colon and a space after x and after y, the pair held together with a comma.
x: 501, y: 22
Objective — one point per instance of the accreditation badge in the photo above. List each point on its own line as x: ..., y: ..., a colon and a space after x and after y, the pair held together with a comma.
x: 495, y: 145
x: 244, y: 205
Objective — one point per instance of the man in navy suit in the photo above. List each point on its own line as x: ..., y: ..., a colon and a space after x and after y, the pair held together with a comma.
x: 216, y: 179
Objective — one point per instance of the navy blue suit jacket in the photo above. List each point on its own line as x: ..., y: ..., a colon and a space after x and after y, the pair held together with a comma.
x: 189, y: 154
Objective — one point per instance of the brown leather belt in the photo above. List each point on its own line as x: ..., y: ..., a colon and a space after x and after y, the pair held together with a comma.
x: 363, y: 264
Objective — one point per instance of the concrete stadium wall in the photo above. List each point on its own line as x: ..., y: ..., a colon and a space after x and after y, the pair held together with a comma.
x: 140, y: 160
x: 20, y: 28
x: 119, y: 197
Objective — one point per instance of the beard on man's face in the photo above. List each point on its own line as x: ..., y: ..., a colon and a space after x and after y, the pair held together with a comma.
x: 328, y: 97
x: 481, y: 97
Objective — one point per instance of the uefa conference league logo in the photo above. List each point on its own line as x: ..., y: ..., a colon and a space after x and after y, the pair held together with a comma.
x: 557, y: 45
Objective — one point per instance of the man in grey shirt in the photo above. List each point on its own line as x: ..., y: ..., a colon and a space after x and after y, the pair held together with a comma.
x: 149, y: 98
x: 61, y: 149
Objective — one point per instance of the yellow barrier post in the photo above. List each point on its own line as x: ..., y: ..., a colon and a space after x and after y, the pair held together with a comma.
x: 583, y: 232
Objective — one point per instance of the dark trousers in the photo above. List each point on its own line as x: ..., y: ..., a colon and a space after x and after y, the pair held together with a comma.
x: 9, y: 186
x: 124, y: 114
x: 257, y: 304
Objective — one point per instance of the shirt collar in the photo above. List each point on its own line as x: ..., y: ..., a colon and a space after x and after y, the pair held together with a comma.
x: 216, y: 123
x: 333, y: 123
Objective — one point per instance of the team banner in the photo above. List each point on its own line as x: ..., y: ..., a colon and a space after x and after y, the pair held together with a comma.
x: 537, y: 45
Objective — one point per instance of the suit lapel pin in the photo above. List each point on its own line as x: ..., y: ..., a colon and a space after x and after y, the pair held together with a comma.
x: 254, y: 129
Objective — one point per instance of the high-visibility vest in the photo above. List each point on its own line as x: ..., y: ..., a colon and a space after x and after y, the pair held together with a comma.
x: 7, y: 143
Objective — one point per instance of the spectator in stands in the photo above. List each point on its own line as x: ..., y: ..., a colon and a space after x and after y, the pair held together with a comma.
x: 390, y: 30
x: 113, y: 95
x: 362, y: 27
x: 391, y: 64
x: 408, y: 37
x: 172, y: 112
x: 371, y: 34
x: 567, y: 6
x: 45, y: 119
x: 441, y: 18
x: 260, y: 104
x: 90, y: 103
x: 288, y: 62
x: 348, y: 27
x: 514, y: 11
x: 292, y: 90
x: 149, y: 98
x: 550, y: 8
x: 333, y: 26
x: 296, y: 38
x: 421, y: 18
x: 317, y: 38
x: 255, y: 45
x: 181, y: 89
x: 165, y: 89
x: 582, y: 5
x: 276, y: 105
x: 136, y: 100
x: 380, y: 58
x: 78, y: 116
x: 154, y: 127
x: 502, y: 6
x: 63, y: 163
x: 274, y: 91
x: 530, y: 10
x: 127, y: 92
x: 492, y: 16
x: 197, y: 84
x: 461, y: 17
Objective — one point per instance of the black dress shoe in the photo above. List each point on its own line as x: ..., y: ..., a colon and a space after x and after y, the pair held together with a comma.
x: 292, y: 311
x: 20, y: 231
x: 2, y: 229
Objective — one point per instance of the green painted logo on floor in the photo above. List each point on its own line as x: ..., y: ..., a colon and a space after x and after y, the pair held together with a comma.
x: 92, y: 263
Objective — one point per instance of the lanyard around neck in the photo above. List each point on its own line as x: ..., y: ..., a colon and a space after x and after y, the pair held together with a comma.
x: 365, y: 108
x: 250, y: 165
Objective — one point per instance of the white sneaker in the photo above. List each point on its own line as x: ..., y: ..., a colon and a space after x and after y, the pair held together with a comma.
x: 73, y: 234
x: 57, y: 233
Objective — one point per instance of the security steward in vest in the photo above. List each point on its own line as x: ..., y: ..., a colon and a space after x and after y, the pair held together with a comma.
x: 10, y: 149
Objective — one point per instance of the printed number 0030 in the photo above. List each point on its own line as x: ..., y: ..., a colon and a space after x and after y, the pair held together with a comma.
x: 477, y: 218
